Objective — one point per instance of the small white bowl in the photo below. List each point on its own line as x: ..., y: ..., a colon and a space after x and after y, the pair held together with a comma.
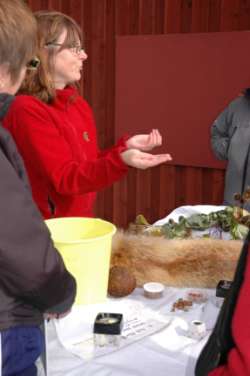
x: 153, y: 290
x: 197, y: 296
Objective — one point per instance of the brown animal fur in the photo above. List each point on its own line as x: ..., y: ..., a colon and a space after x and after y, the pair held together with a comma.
x: 187, y: 262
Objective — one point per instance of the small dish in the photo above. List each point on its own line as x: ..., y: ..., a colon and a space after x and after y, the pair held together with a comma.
x: 196, y: 296
x: 153, y: 290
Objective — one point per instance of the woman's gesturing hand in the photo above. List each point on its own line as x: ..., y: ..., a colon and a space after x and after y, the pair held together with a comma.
x: 50, y: 316
x: 138, y: 159
x: 145, y: 142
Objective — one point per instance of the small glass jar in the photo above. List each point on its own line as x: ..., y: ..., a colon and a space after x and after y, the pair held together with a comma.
x: 107, y: 329
x: 102, y: 340
x: 197, y: 329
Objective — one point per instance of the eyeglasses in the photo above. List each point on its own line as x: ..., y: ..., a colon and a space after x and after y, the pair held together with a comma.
x: 33, y: 64
x: 74, y: 49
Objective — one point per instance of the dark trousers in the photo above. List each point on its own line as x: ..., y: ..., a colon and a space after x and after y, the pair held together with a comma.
x: 21, y: 347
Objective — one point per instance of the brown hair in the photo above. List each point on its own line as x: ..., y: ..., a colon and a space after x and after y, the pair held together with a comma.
x: 51, y: 24
x: 17, y: 36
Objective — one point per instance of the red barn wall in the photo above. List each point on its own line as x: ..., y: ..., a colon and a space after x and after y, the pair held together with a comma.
x: 158, y: 191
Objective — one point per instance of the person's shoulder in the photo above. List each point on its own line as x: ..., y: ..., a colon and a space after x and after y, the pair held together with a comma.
x: 80, y: 99
x: 25, y: 104
x: 22, y: 100
x: 239, y: 102
x: 82, y: 103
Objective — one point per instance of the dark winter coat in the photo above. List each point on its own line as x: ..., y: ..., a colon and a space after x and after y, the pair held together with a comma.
x: 33, y: 278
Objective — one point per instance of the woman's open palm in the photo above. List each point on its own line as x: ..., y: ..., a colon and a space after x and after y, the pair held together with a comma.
x: 145, y: 142
x: 138, y: 159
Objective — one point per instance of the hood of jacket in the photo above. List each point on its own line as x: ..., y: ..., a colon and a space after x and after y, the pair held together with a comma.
x: 5, y: 102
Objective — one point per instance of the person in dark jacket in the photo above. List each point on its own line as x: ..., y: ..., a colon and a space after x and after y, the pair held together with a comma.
x: 227, y: 351
x: 34, y: 282
x: 238, y: 359
x: 230, y: 140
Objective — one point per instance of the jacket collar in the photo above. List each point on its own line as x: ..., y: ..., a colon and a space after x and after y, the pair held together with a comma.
x: 5, y: 101
x: 65, y: 96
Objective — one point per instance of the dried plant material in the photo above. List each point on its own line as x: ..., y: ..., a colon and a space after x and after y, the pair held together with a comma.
x: 234, y: 219
x: 181, y: 304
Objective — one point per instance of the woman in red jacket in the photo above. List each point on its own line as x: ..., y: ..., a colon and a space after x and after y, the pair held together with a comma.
x: 55, y: 132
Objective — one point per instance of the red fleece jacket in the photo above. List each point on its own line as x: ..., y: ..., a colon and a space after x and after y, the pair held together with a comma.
x: 59, y: 147
x: 238, y: 361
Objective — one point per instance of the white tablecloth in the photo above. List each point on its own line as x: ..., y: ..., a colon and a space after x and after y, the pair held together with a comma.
x: 169, y: 352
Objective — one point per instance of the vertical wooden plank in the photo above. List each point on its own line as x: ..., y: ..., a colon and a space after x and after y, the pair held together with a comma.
x: 217, y: 184
x: 76, y: 9
x: 230, y: 15
x: 155, y: 192
x: 109, y: 97
x: 125, y: 197
x: 193, y: 185
x: 213, y: 180
x: 230, y: 21
x: 126, y: 21
x: 120, y: 209
x: 180, y: 186
x: 214, y: 15
x: 167, y: 193
x: 193, y: 176
x: 54, y: 5
x: 212, y: 186
x: 169, y: 177
x: 102, y: 86
x: 146, y: 16
x: 109, y: 75
x: 90, y: 80
x: 66, y: 7
x: 172, y: 16
x: 244, y: 15
x: 38, y: 5
x: 97, y: 59
x: 145, y: 181
x: 159, y: 17
x: 122, y: 25
x: 88, y: 42
x: 131, y: 198
x: 186, y: 16
x: 200, y: 16
x: 162, y: 193
x: 143, y: 193
x: 127, y: 17
x: 170, y: 185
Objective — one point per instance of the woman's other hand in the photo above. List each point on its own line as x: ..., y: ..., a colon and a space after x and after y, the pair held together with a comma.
x: 51, y: 316
x: 145, y: 142
x: 138, y: 159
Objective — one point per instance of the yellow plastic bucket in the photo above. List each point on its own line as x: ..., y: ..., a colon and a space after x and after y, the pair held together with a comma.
x: 85, y: 245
